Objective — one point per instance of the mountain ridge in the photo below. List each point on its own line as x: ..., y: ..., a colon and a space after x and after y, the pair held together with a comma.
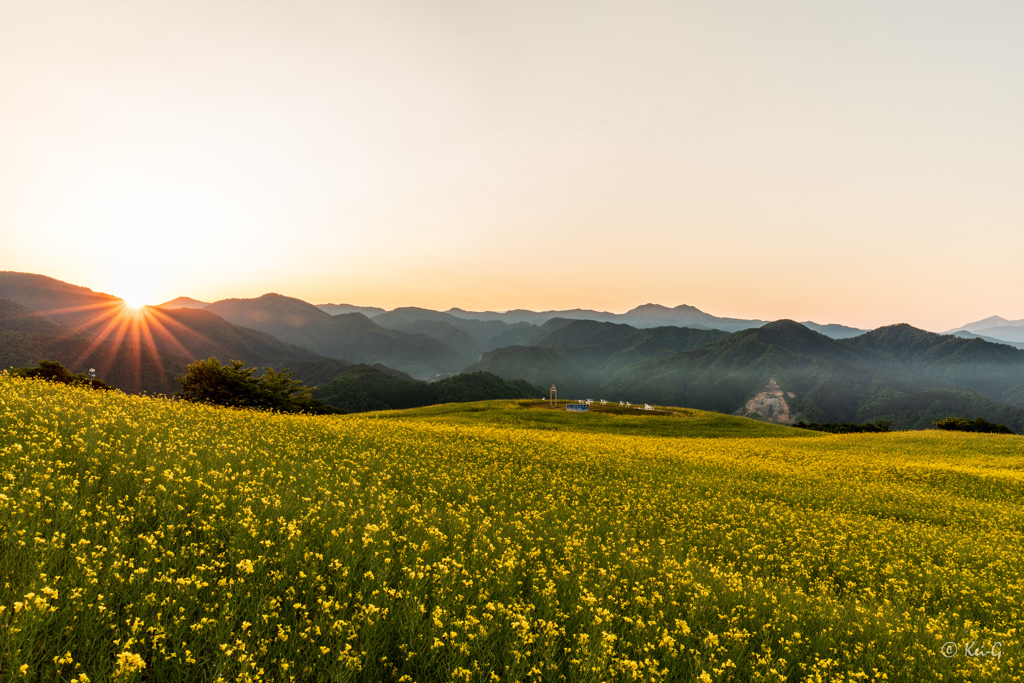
x: 352, y: 337
x: 798, y: 369
x: 136, y: 350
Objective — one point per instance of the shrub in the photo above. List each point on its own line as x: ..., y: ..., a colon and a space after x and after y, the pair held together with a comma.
x: 846, y: 427
x: 959, y: 424
x: 52, y: 371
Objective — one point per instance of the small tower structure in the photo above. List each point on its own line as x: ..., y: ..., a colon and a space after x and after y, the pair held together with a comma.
x: 554, y: 396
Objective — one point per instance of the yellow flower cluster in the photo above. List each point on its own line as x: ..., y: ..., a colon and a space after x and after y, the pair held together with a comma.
x: 145, y: 539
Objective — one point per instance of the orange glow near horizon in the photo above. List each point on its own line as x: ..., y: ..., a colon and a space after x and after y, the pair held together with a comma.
x: 751, y: 159
x: 125, y: 343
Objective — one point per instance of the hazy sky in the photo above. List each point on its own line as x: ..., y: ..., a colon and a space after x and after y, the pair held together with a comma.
x: 856, y: 162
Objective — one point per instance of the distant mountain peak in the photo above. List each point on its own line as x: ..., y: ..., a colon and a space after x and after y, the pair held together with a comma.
x: 272, y: 298
x: 412, y: 309
x: 987, y: 324
x: 647, y: 309
x: 787, y: 327
x: 991, y: 321
x: 897, y: 329
x: 791, y: 335
x: 782, y: 324
x: 650, y: 308
x: 184, y: 302
x: 341, y: 309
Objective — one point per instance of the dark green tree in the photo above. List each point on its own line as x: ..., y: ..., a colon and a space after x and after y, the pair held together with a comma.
x: 234, y: 385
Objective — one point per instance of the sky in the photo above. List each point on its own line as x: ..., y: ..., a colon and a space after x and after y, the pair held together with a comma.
x: 851, y: 162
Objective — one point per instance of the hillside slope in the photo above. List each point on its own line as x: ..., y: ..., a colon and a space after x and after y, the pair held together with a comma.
x: 433, y: 543
x: 782, y: 371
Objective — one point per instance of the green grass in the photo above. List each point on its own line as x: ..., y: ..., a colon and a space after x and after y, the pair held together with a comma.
x: 535, y: 415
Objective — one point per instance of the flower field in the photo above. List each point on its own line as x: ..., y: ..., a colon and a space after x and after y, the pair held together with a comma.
x: 149, y: 540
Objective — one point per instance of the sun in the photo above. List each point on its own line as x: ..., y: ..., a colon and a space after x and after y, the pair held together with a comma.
x: 135, y: 291
x: 134, y: 302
